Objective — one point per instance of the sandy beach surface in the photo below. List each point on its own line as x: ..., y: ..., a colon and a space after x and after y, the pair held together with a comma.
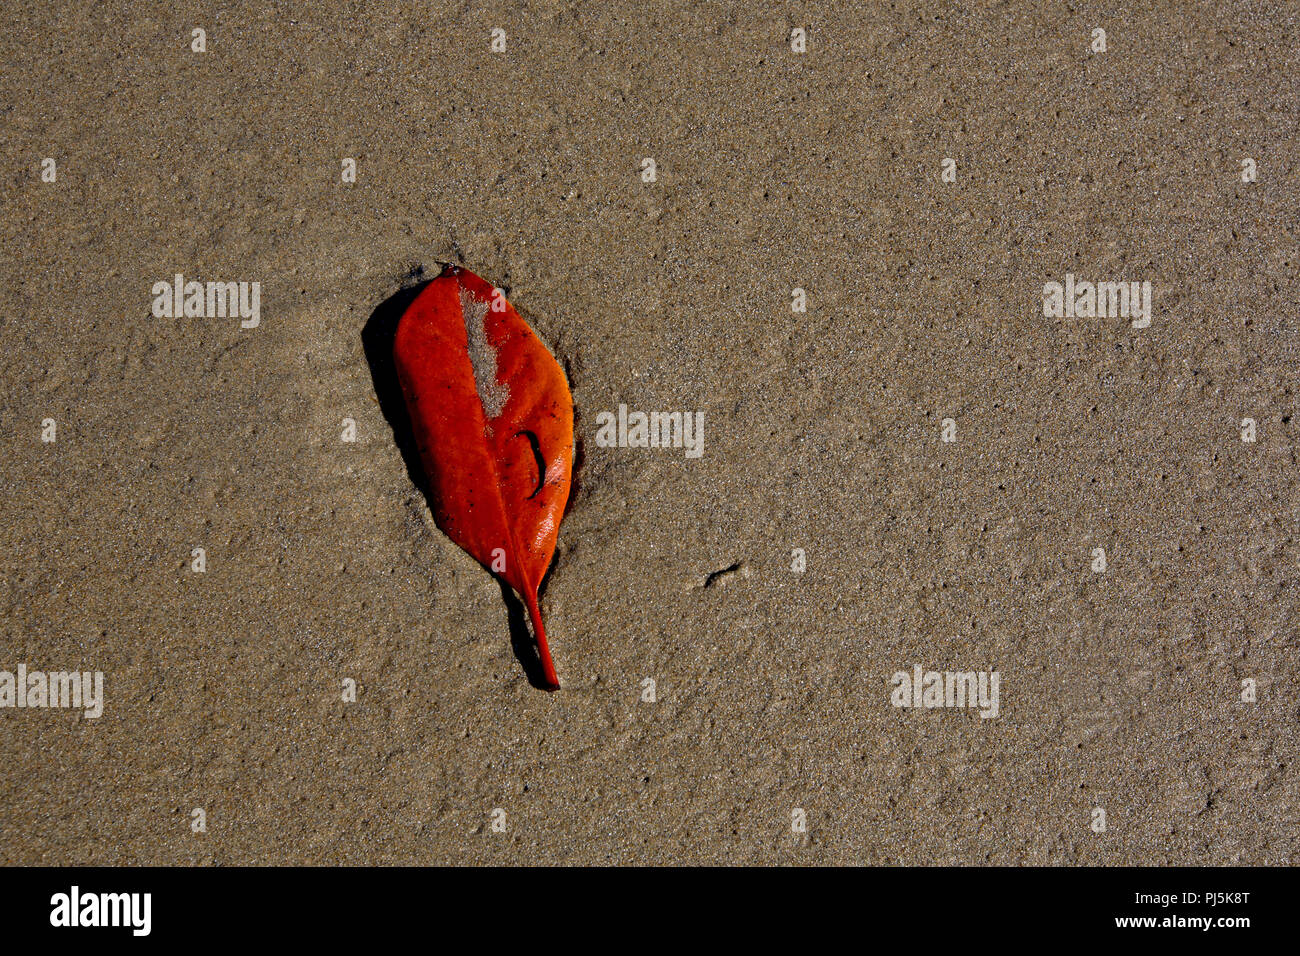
x: 1120, y: 690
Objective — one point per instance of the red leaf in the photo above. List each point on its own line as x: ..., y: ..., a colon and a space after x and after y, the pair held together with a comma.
x: 493, y: 419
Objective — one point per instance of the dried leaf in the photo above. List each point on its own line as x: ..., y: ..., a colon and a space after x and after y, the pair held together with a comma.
x: 493, y: 420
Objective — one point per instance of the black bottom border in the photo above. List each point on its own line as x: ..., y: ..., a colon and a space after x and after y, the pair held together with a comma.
x: 956, y: 906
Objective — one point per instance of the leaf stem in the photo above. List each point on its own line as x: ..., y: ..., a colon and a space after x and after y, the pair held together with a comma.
x: 539, y: 632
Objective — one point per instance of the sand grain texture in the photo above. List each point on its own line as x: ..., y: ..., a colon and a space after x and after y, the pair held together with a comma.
x: 775, y: 171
